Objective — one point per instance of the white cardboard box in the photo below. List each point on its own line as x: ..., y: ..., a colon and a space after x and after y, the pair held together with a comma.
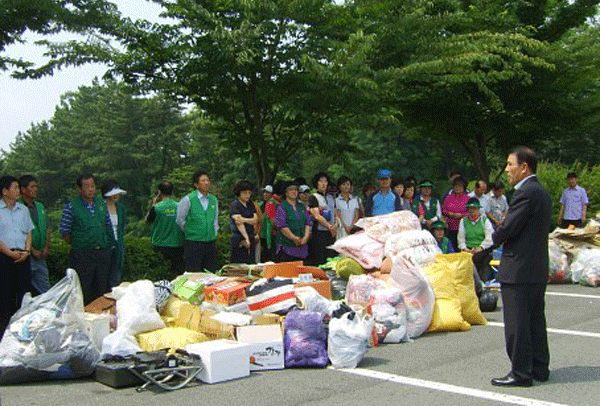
x: 223, y: 360
x: 97, y: 326
x: 266, y: 346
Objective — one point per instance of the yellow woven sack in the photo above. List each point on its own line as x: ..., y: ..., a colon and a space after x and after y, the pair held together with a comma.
x: 170, y: 337
x: 447, y: 310
x: 461, y: 267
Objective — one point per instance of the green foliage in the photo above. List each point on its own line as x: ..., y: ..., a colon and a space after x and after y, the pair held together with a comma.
x: 58, y: 255
x: 482, y: 74
x: 244, y: 63
x: 46, y: 17
x: 142, y: 262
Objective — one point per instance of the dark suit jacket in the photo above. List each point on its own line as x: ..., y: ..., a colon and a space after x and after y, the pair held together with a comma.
x: 524, y: 235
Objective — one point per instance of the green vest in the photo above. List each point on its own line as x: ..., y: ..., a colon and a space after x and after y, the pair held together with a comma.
x: 295, y: 224
x: 428, y: 214
x: 40, y: 231
x: 199, y: 223
x: 165, y: 231
x: 474, y: 233
x: 89, y: 231
x: 445, y: 245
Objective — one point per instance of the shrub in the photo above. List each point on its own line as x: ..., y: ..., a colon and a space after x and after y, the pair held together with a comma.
x: 57, y: 259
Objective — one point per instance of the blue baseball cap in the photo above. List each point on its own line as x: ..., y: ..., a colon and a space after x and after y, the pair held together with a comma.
x: 384, y: 173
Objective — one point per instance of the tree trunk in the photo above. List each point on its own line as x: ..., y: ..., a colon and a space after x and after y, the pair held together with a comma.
x: 477, y: 150
x: 265, y: 174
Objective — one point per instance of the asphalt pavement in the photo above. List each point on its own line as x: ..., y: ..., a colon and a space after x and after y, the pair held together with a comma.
x: 434, y: 369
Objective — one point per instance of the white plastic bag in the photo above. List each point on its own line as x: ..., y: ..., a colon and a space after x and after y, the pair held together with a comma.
x: 136, y: 308
x: 136, y: 313
x: 348, y: 339
x: 119, y: 343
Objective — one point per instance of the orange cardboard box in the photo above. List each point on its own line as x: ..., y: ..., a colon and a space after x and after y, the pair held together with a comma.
x: 292, y: 269
x: 321, y: 283
x: 282, y: 269
x: 227, y: 292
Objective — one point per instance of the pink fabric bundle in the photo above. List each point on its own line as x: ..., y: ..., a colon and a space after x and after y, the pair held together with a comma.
x: 362, y: 248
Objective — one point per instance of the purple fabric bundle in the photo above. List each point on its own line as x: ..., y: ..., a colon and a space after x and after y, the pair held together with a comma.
x: 305, y: 340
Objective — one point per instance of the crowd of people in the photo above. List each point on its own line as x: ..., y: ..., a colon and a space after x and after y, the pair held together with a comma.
x: 290, y: 221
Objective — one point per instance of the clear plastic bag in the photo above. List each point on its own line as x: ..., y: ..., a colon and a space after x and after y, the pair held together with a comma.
x: 348, y: 339
x: 359, y: 289
x: 309, y: 299
x: 46, y: 338
x: 418, y: 295
x: 560, y: 271
x: 389, y: 312
x: 586, y: 267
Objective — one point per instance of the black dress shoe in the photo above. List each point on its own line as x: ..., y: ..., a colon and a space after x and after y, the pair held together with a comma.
x: 541, y: 377
x: 509, y: 380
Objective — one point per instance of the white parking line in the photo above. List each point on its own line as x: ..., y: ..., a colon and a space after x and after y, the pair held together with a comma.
x: 556, y: 331
x: 573, y: 295
x: 460, y: 390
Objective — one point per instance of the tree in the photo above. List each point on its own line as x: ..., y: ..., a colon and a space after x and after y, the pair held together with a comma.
x: 46, y: 17
x: 106, y: 130
x: 245, y: 64
x: 481, y: 73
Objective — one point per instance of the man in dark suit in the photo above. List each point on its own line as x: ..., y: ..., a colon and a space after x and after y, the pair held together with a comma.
x: 523, y: 272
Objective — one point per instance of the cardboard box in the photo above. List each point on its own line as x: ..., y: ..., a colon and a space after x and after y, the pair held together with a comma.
x: 282, y: 269
x: 266, y: 346
x: 321, y: 283
x: 101, y: 305
x: 267, y: 319
x: 193, y: 318
x: 223, y: 360
x: 189, y: 290
x: 97, y: 326
x: 227, y: 292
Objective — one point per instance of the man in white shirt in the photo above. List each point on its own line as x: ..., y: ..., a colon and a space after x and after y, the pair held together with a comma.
x: 479, y: 192
x: 498, y: 207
